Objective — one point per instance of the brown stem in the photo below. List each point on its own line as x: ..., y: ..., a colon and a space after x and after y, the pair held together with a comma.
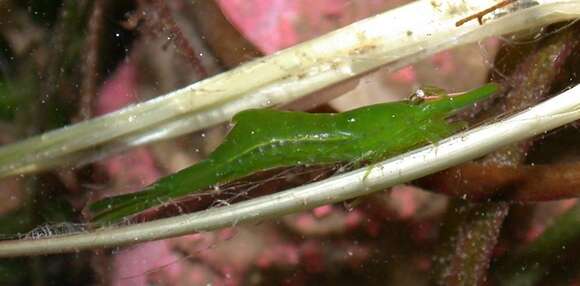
x: 472, y: 231
x: 226, y: 43
x: 176, y: 36
x: 90, y: 67
x: 479, y: 182
x: 479, y: 15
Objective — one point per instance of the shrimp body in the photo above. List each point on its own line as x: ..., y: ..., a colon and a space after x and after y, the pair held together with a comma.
x: 266, y: 139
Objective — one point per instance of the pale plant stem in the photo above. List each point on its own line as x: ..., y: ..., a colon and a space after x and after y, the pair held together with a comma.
x: 391, y: 39
x: 466, y: 146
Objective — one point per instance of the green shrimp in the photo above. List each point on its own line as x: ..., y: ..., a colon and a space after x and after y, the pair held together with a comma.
x: 266, y: 139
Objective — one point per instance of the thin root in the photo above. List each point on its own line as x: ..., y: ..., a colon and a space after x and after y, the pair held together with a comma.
x: 479, y: 16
